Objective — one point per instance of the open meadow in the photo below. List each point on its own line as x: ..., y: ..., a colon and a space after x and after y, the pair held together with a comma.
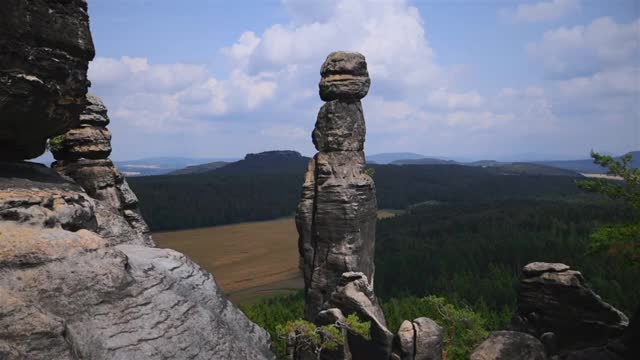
x: 250, y: 261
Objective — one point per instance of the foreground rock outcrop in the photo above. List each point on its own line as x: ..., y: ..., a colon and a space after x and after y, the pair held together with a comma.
x: 79, y: 276
x: 555, y: 299
x: 45, y: 47
x: 67, y: 293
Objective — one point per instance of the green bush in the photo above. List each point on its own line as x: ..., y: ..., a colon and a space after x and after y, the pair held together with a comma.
x: 464, y: 328
x: 55, y: 143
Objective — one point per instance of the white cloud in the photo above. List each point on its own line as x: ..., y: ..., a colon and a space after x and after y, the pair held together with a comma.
x: 478, y: 120
x: 612, y: 82
x: 584, y: 50
x: 541, y: 11
x: 287, y: 132
x: 391, y: 35
x: 267, y: 98
x: 164, y: 97
x: 454, y: 100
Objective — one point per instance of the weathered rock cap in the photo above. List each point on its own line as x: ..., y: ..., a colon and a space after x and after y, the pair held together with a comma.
x: 95, y: 113
x: 537, y: 268
x: 344, y: 77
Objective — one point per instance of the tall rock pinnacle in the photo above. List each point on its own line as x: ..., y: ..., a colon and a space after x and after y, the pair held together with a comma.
x: 336, y: 217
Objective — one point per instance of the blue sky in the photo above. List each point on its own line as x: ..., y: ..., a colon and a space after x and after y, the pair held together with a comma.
x: 467, y: 79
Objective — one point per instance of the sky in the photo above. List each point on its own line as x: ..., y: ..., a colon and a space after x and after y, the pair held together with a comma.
x: 470, y: 79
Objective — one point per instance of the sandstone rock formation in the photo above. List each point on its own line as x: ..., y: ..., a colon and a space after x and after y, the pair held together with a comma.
x: 418, y: 340
x: 66, y: 293
x: 555, y: 299
x: 337, y: 214
x: 354, y: 295
x: 336, y: 221
x: 45, y: 47
x: 509, y: 345
x: 82, y: 155
x: 78, y: 276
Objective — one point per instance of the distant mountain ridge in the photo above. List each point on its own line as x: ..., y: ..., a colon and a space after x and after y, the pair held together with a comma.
x: 268, y: 185
x: 387, y: 158
x: 587, y: 166
x: 583, y: 166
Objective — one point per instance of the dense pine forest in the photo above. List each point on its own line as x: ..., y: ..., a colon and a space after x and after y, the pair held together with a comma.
x: 252, y: 190
x: 467, y: 257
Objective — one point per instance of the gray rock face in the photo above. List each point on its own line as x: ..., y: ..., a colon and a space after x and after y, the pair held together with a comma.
x: 89, y: 142
x: 45, y: 48
x: 405, y: 341
x: 509, y: 345
x: 354, y: 294
x: 340, y: 127
x: 118, y: 215
x: 42, y: 198
x: 553, y: 298
x: 419, y: 340
x: 128, y: 302
x: 337, y: 214
x: 428, y: 341
x: 344, y: 77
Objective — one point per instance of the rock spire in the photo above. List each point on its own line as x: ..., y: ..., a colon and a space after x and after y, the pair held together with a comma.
x: 336, y: 218
x: 82, y: 154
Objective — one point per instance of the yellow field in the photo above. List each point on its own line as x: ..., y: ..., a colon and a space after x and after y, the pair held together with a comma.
x: 241, y: 256
x: 249, y: 261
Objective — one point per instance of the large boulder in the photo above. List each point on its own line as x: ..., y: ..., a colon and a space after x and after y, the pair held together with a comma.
x: 509, y: 345
x: 555, y: 299
x: 344, y: 76
x: 45, y: 48
x: 428, y: 339
x: 421, y: 339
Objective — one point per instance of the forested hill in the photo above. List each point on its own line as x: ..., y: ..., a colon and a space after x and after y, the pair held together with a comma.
x: 267, y: 185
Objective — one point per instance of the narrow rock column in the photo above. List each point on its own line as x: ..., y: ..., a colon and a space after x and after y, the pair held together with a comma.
x: 336, y: 217
x: 82, y: 154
